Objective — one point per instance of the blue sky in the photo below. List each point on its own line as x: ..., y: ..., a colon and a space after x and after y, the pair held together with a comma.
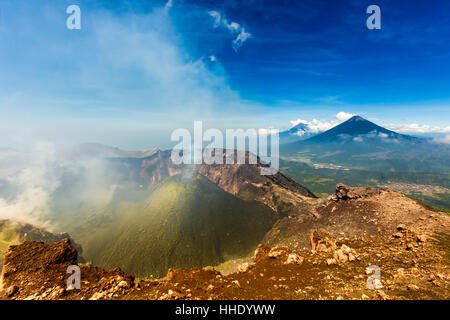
x: 139, y: 69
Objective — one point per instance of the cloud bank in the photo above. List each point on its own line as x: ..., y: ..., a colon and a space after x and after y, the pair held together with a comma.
x: 445, y: 139
x: 417, y: 128
x: 48, y: 185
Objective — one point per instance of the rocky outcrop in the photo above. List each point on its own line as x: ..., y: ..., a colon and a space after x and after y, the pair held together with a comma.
x: 344, y: 193
x: 342, y: 255
x: 38, y: 271
x: 30, y: 259
x: 245, y: 181
x: 322, y: 241
x: 356, y: 212
x: 19, y: 232
x: 260, y: 252
x: 280, y: 253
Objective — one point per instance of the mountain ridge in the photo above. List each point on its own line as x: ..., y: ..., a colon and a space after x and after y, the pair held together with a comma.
x: 361, y: 144
x: 356, y: 126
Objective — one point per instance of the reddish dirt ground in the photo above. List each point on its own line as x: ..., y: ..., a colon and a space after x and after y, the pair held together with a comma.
x: 359, y: 227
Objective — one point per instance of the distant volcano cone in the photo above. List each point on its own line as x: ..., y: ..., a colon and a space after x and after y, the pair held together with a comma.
x: 356, y: 126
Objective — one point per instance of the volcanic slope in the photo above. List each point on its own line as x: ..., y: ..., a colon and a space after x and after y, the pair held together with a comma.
x: 185, y: 222
x: 358, y: 212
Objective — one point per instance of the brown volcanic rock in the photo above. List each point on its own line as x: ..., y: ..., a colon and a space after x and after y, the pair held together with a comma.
x: 260, y: 252
x: 27, y: 232
x: 407, y: 241
x: 322, y: 241
x: 358, y: 212
x: 40, y: 255
x: 277, y: 273
x: 345, y: 193
x: 233, y: 177
x: 282, y: 194
x: 30, y: 260
x: 35, y: 270
x: 178, y: 274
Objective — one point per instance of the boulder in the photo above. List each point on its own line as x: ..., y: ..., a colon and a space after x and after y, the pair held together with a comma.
x: 345, y: 193
x: 278, y: 251
x: 260, y: 252
x: 23, y: 260
x: 322, y: 242
x: 344, y: 254
x: 294, y: 258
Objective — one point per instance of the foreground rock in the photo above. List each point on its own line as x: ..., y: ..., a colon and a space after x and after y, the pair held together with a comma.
x: 322, y: 241
x: 15, y: 232
x: 344, y: 193
x: 330, y: 254
x: 38, y: 271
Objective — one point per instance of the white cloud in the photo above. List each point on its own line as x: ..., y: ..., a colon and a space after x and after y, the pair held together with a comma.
x: 300, y: 133
x: 217, y: 18
x: 240, y: 39
x: 168, y: 5
x: 162, y: 63
x: 331, y: 99
x: 137, y: 73
x: 417, y: 128
x: 212, y: 58
x: 298, y: 121
x: 43, y: 172
x: 233, y: 27
x: 316, y: 126
x: 37, y: 182
x: 445, y: 139
x: 372, y: 135
x: 344, y: 116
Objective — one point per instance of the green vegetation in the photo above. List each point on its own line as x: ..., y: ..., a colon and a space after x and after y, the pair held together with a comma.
x: 183, y: 223
x: 438, y: 201
x: 9, y: 235
x: 323, y: 181
x: 4, y: 245
x: 402, y: 154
